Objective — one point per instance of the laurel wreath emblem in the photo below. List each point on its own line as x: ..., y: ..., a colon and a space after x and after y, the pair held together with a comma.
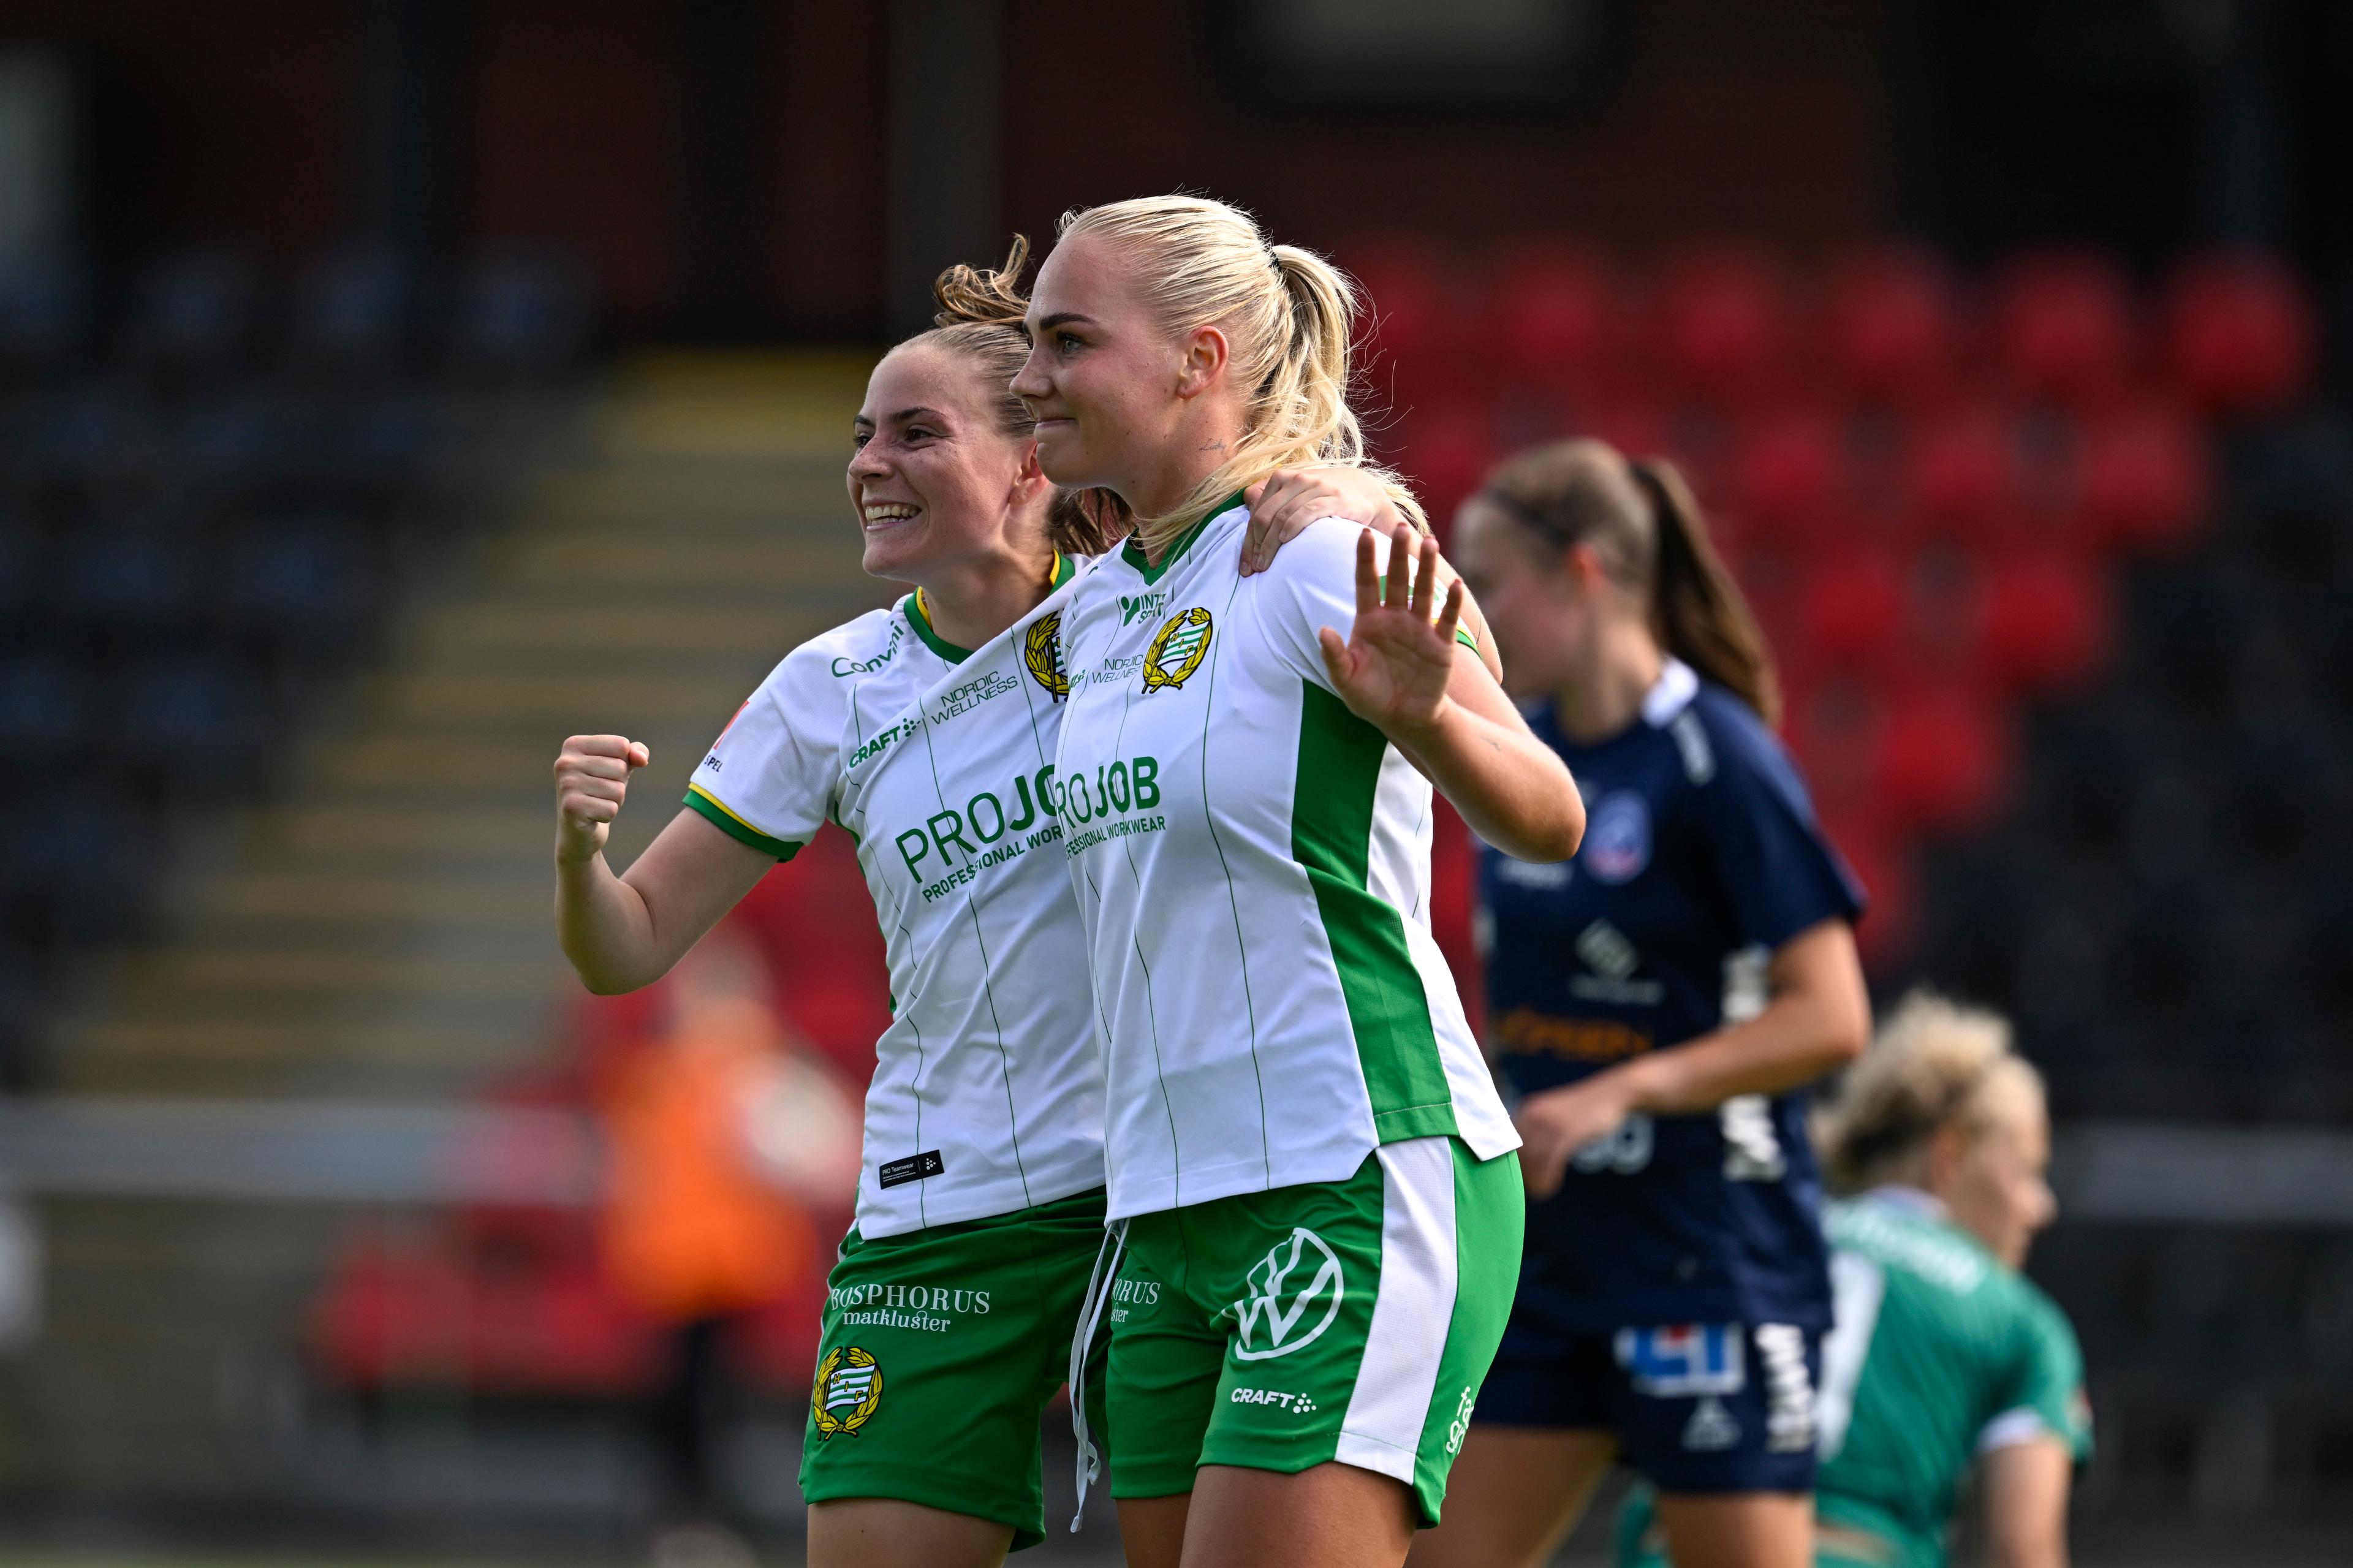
x: 1178, y: 648
x: 1041, y: 650
x: 848, y: 1391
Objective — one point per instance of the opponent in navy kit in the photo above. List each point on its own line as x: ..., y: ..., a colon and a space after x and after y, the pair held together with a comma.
x: 1656, y: 1003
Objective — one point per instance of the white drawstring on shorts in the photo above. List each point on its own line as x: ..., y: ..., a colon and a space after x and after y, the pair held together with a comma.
x: 1100, y: 1282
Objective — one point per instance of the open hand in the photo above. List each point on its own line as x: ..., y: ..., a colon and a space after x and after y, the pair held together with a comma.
x: 1393, y: 666
x: 592, y: 779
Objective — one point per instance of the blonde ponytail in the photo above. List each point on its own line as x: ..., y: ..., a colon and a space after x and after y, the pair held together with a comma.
x: 1289, y: 317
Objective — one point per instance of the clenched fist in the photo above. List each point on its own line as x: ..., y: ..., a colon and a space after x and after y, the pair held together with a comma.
x: 592, y: 779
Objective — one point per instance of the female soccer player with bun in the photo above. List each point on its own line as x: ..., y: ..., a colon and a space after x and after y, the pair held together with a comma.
x: 1944, y: 1359
x: 1318, y: 1219
x: 928, y: 731
x: 1656, y: 1003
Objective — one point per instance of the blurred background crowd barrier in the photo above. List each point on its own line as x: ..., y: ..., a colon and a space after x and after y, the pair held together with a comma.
x: 390, y: 388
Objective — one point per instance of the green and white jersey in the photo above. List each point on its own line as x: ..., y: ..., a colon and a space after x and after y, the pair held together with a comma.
x: 1941, y: 1354
x: 1252, y: 867
x: 987, y: 1091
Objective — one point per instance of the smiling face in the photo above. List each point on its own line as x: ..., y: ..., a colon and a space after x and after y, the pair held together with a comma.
x: 937, y: 481
x: 1103, y: 377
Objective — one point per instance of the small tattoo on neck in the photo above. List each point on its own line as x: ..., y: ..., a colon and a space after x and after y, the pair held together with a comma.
x: 1212, y: 447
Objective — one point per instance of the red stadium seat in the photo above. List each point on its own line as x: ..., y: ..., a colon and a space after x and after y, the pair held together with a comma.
x: 1448, y: 450
x: 1945, y: 759
x: 1880, y: 860
x: 2240, y: 333
x: 1852, y: 608
x: 1892, y: 328
x: 2064, y: 326
x: 1961, y: 475
x: 1723, y: 323
x: 1559, y: 317
x: 1424, y: 330
x: 2049, y: 620
x: 1789, y: 472
x: 2143, y: 479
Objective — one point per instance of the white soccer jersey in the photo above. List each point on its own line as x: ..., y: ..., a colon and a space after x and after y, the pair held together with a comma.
x: 987, y: 1091
x: 1252, y: 865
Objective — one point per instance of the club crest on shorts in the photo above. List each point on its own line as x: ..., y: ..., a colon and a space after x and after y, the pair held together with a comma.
x: 1295, y: 1291
x: 1041, y: 650
x: 1178, y: 649
x: 848, y: 1391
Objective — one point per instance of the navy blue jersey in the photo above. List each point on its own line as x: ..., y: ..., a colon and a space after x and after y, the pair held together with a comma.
x: 1702, y: 855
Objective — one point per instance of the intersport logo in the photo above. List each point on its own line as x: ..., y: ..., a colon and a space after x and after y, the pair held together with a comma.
x: 1295, y: 1293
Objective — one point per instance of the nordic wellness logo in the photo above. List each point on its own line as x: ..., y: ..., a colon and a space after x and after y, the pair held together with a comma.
x: 1178, y: 649
x: 1295, y: 1293
x: 972, y: 694
x: 1041, y: 650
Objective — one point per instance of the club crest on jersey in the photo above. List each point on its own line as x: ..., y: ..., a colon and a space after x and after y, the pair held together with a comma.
x: 1618, y: 842
x: 1178, y: 649
x: 848, y: 1391
x: 1295, y: 1291
x: 1041, y: 650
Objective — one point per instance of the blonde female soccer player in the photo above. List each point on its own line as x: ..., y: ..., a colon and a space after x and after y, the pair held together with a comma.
x: 927, y: 730
x: 1945, y: 1360
x: 1310, y: 1170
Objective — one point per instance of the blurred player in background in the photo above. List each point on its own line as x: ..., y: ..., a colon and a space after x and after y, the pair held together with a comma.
x: 719, y: 1137
x: 1657, y: 1001
x: 1945, y: 1358
x: 928, y: 731
x: 1319, y: 1216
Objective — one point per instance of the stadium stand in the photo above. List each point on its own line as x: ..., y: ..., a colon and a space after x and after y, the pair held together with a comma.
x: 2055, y: 568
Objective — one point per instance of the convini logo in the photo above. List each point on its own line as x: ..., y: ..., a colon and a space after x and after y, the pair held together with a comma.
x: 1295, y: 1293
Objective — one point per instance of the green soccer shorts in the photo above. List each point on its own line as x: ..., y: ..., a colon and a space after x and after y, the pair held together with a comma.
x: 941, y: 1349
x: 1350, y: 1320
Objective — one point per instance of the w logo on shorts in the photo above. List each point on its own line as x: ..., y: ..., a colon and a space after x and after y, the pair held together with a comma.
x: 1295, y: 1293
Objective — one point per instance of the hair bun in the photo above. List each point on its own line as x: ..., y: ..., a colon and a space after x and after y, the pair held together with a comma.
x: 969, y: 295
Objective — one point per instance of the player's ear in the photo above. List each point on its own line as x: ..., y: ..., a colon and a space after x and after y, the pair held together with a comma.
x: 1203, y: 357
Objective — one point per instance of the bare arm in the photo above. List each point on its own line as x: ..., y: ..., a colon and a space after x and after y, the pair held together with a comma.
x: 2025, y: 1486
x: 1400, y: 670
x: 1818, y: 1020
x: 625, y: 932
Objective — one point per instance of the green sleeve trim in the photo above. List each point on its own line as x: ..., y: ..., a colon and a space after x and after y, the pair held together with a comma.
x: 735, y: 827
x: 1462, y: 634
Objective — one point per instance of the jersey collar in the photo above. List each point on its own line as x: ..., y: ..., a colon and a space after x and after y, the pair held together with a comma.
x: 1133, y: 553
x: 1671, y: 693
x: 1910, y: 1199
x: 920, y: 616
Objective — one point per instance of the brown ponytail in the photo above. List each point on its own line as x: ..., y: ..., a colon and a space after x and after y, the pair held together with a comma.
x: 1701, y: 617
x: 1642, y: 519
x: 980, y: 318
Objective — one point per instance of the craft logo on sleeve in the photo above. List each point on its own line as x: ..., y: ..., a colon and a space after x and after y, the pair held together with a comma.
x: 1295, y: 1293
x: 1178, y: 649
x: 1041, y: 650
x: 848, y: 1391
